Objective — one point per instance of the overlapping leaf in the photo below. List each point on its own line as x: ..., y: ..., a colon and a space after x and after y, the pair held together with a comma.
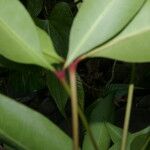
x: 102, y: 112
x: 98, y: 21
x: 133, y: 43
x: 19, y: 40
x: 48, y: 48
x: 25, y: 129
x: 138, y: 140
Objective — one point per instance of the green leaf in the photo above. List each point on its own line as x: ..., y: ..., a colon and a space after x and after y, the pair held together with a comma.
x: 34, y: 7
x: 115, y: 132
x: 79, y: 3
x: 60, y: 21
x: 19, y: 39
x: 57, y: 91
x: 101, y: 113
x: 19, y: 124
x: 132, y: 44
x: 101, y: 137
x: 141, y: 139
x: 48, y: 48
x: 97, y: 22
x: 104, y: 110
x: 58, y: 26
x: 115, y: 146
x: 116, y: 136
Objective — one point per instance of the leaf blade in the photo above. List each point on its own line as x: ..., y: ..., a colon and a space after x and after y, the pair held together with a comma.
x: 21, y: 33
x: 132, y: 40
x: 16, y: 128
x: 104, y: 22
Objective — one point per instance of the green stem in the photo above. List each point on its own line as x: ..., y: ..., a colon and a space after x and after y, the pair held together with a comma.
x: 127, y: 117
x: 74, y: 105
x: 82, y: 116
x: 128, y: 110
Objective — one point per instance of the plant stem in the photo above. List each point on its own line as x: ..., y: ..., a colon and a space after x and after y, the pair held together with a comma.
x: 127, y: 117
x: 88, y: 129
x: 61, y: 76
x: 82, y: 117
x: 74, y: 105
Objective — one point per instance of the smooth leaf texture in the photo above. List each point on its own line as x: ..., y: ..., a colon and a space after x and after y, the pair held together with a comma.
x: 101, y: 113
x: 116, y: 136
x: 114, y: 132
x: 19, y: 39
x: 97, y: 21
x: 133, y: 43
x: 141, y: 139
x: 48, y: 48
x: 25, y: 129
x: 101, y: 136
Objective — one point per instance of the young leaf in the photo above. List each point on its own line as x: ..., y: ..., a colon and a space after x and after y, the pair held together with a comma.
x: 132, y: 44
x: 19, y: 39
x: 98, y: 21
x: 19, y: 124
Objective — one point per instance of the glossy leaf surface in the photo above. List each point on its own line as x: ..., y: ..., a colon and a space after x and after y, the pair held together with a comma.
x: 132, y: 44
x: 98, y: 21
x: 19, y: 124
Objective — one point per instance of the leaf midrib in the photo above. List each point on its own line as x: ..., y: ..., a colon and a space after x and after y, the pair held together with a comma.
x: 10, y: 32
x: 110, y: 4
x: 116, y: 41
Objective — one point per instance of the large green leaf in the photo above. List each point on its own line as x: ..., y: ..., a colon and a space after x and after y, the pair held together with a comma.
x: 25, y: 129
x: 19, y: 40
x: 97, y: 21
x: 101, y: 113
x: 132, y: 44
